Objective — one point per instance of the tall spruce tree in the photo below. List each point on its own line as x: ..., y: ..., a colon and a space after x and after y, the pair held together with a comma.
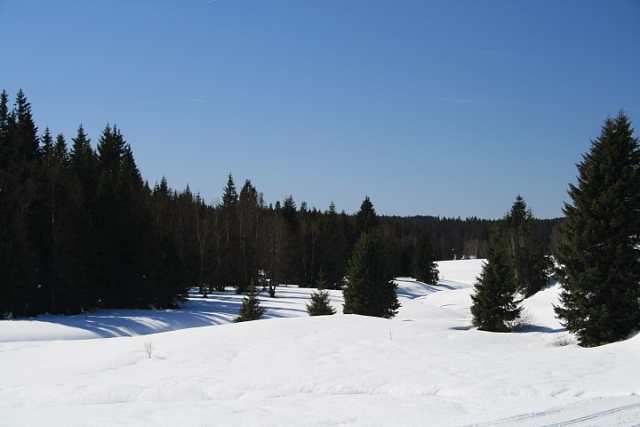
x: 19, y: 168
x: 494, y: 304
x: 600, y: 251
x: 229, y: 271
x: 423, y: 265
x: 120, y: 223
x: 521, y: 239
x: 4, y: 128
x: 249, y: 223
x: 370, y: 290
x: 334, y: 247
x: 24, y: 133
x: 83, y: 239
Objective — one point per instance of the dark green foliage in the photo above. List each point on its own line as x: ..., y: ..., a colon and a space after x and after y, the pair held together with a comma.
x: 370, y: 290
x: 276, y: 252
x: 366, y: 218
x: 515, y: 264
x: 290, y: 214
x: 599, y: 254
x: 23, y: 133
x: 19, y: 178
x: 423, y: 265
x: 320, y: 304
x: 521, y: 240
x: 249, y: 219
x: 251, y: 308
x: 334, y: 247
x: 321, y: 282
x: 228, y: 270
x: 120, y: 223
x: 76, y: 230
x: 494, y: 304
x: 230, y: 196
x: 462, y: 238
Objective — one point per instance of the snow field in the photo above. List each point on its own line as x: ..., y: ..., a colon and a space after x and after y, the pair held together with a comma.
x: 427, y: 366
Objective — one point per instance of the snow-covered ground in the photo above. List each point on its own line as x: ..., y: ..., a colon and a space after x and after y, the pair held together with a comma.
x: 426, y: 367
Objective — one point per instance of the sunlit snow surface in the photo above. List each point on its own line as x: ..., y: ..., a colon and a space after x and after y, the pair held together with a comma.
x: 426, y: 367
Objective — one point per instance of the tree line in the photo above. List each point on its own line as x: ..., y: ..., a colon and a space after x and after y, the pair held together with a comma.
x: 80, y: 228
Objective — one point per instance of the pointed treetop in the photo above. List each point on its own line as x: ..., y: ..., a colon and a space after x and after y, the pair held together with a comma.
x: 518, y: 213
x: 366, y: 218
x: 290, y: 213
x: 230, y: 196
x: 60, y: 149
x: 248, y: 193
x: 47, y: 142
x: 81, y: 152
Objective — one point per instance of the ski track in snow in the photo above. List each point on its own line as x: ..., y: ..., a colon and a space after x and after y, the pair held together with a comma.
x: 427, y: 366
x: 627, y: 415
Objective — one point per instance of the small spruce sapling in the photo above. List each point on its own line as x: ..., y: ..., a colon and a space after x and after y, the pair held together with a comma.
x: 320, y: 304
x: 250, y: 309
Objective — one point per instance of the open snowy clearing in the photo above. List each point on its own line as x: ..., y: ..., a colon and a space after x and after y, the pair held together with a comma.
x: 426, y: 367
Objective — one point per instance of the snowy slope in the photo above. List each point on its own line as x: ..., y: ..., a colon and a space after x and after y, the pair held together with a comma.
x: 427, y: 366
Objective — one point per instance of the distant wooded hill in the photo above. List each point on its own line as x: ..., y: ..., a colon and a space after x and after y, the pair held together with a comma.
x: 454, y: 238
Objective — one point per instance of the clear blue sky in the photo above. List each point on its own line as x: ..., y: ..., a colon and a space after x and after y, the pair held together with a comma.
x: 448, y: 108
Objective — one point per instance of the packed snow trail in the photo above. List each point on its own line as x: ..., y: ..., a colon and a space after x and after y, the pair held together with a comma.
x: 599, y: 413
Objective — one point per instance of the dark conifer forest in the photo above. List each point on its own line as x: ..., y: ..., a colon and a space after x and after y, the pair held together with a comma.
x: 81, y: 229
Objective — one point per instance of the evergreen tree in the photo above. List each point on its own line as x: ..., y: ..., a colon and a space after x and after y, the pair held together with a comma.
x: 251, y: 308
x: 166, y: 272
x: 494, y: 304
x: 334, y: 247
x: 276, y: 256
x: 82, y: 249
x: 46, y: 144
x: 60, y: 152
x: 366, y: 218
x: 120, y: 223
x: 290, y: 214
x: 50, y: 226
x: 186, y: 217
x: 24, y: 133
x: 228, y: 270
x: 19, y: 170
x: 321, y: 282
x: 424, y: 266
x: 249, y: 219
x: 320, y: 304
x: 230, y: 196
x: 370, y: 290
x: 84, y: 165
x: 82, y: 155
x: 522, y: 242
x: 203, y: 215
x: 600, y: 251
x: 4, y: 129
